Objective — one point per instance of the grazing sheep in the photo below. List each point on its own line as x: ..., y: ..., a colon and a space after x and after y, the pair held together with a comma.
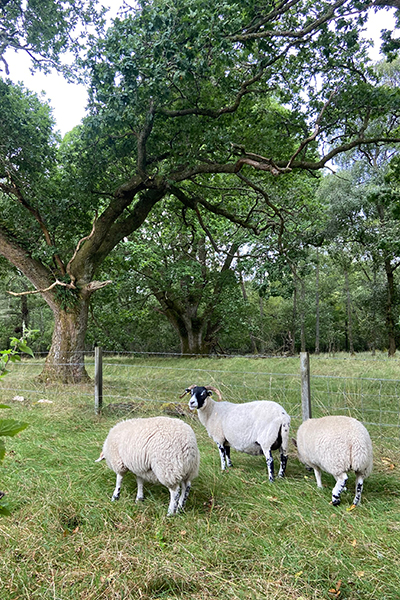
x: 336, y: 444
x: 156, y: 449
x: 254, y: 427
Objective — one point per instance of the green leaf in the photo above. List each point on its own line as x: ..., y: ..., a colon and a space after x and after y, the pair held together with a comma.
x: 11, y: 427
x: 2, y: 450
x: 25, y: 348
x: 4, y: 406
x: 15, y: 358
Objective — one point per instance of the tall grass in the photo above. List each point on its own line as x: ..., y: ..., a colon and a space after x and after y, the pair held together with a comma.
x: 240, y: 538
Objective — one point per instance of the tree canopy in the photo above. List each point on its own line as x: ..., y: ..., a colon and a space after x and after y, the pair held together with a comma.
x: 47, y: 29
x: 206, y: 102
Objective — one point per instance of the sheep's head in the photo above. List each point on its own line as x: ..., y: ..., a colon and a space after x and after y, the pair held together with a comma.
x: 199, y: 394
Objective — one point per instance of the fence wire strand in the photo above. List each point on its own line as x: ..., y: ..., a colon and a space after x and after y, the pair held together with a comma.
x: 376, y: 402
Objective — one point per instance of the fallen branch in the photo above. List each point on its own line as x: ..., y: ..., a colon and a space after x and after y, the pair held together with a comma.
x: 42, y: 291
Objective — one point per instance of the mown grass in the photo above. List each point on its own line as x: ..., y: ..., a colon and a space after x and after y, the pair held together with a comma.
x: 240, y: 538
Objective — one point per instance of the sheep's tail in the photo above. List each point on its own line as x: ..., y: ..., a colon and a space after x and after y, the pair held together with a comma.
x: 101, y: 457
x: 285, y: 427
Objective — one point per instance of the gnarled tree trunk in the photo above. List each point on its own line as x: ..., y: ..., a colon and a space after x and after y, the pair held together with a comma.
x: 196, y: 333
x: 192, y: 342
x: 65, y: 361
x: 67, y: 286
x: 192, y: 309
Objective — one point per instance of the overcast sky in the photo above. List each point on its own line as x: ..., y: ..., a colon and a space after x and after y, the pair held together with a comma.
x: 69, y: 100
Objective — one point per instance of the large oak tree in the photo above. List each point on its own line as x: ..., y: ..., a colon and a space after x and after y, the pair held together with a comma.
x: 180, y: 92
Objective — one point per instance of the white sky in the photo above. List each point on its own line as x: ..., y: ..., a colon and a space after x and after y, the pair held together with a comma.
x: 69, y: 100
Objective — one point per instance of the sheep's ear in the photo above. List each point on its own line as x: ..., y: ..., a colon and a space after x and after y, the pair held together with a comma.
x: 294, y: 442
x: 209, y: 393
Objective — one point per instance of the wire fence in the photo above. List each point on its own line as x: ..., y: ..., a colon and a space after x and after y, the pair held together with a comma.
x: 131, y: 381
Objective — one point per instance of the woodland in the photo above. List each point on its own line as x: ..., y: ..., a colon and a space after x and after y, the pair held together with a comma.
x: 234, y: 187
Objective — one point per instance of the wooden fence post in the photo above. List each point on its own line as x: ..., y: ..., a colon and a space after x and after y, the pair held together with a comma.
x: 305, y: 385
x: 98, y: 380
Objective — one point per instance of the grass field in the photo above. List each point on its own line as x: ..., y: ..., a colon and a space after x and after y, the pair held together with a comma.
x: 240, y: 538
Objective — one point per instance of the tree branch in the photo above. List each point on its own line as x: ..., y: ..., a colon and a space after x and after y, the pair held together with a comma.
x: 39, y: 275
x: 121, y: 228
x: 208, y: 112
x: 278, y: 167
x: 392, y: 3
x: 278, y: 11
x: 312, y: 137
x: 14, y: 190
x: 142, y: 140
x: 267, y: 200
x: 274, y: 33
x: 68, y: 268
x: 217, y: 210
x: 207, y: 231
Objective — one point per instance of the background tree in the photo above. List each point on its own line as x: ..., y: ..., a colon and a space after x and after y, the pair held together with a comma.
x: 364, y: 218
x: 22, y: 312
x: 188, y: 267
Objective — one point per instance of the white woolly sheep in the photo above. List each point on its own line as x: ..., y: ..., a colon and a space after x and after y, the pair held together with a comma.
x: 254, y: 427
x: 155, y: 449
x: 336, y: 444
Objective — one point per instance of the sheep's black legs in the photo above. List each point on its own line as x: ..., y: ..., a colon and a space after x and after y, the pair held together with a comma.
x: 174, y: 494
x: 222, y: 456
x: 359, y: 489
x: 117, y: 490
x: 282, y: 468
x: 228, y: 455
x: 225, y: 455
x: 338, y: 489
x: 270, y: 466
x: 185, y: 489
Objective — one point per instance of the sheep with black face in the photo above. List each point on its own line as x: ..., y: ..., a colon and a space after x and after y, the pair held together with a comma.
x: 253, y: 427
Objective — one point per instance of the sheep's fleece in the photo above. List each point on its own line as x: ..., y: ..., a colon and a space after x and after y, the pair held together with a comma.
x: 155, y: 449
x: 336, y: 444
x: 253, y: 427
